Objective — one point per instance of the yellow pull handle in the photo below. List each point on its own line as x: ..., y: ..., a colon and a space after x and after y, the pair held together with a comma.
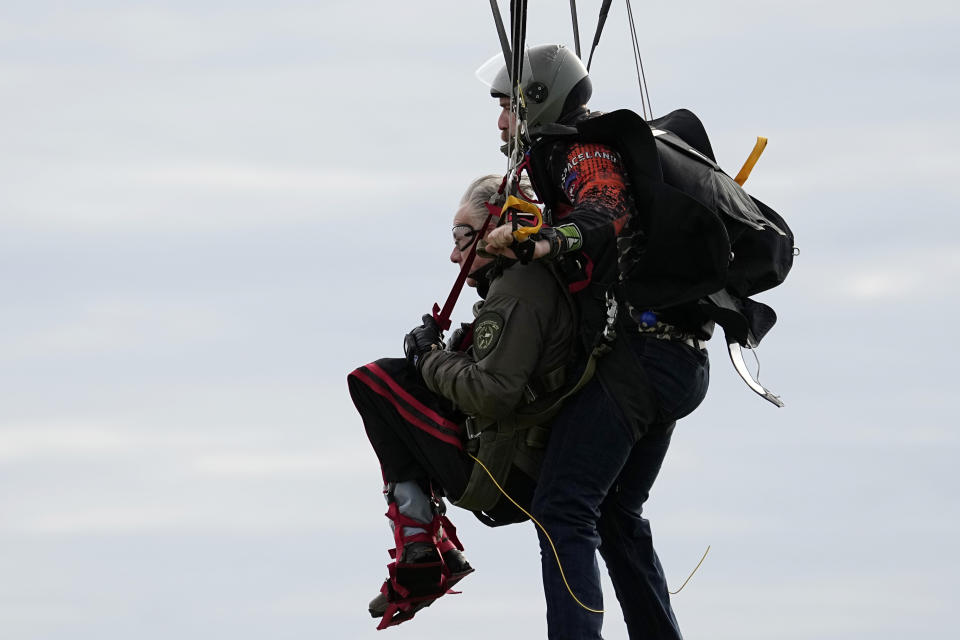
x: 751, y: 160
x: 522, y: 233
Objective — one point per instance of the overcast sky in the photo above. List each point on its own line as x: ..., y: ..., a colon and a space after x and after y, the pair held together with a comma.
x: 211, y: 212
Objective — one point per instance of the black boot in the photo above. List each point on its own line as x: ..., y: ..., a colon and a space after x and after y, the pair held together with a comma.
x: 427, y: 564
x: 414, y: 553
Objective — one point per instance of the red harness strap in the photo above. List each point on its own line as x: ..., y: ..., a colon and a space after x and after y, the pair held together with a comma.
x: 525, y: 166
x: 442, y: 316
x: 411, y: 587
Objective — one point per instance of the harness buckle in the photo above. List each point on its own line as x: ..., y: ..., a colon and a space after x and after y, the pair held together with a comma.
x: 471, y: 427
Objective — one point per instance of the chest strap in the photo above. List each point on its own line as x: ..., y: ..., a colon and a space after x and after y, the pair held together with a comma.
x: 546, y: 384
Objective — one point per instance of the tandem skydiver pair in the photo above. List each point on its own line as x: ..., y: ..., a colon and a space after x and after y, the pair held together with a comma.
x: 646, y: 244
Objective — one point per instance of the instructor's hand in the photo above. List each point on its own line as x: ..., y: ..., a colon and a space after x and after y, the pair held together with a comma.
x: 499, y: 240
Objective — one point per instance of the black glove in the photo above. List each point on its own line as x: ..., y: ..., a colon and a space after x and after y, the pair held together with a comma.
x: 422, y: 339
x: 524, y: 250
x: 461, y: 338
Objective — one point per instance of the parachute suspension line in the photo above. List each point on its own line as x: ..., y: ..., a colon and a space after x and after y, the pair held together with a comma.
x: 501, y: 33
x: 549, y: 539
x: 604, y: 10
x: 576, y: 27
x: 645, y: 105
x: 518, y: 36
x: 638, y: 61
x: 518, y: 29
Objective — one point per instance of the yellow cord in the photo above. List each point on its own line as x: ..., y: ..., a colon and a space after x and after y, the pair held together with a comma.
x: 702, y: 558
x: 526, y: 513
x: 556, y: 555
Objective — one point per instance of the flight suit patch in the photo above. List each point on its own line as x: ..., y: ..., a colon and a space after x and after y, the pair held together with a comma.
x: 486, y: 333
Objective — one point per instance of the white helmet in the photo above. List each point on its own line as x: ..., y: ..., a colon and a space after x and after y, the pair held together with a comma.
x: 554, y: 82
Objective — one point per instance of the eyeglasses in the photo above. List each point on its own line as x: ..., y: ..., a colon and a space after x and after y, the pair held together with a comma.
x: 463, y: 236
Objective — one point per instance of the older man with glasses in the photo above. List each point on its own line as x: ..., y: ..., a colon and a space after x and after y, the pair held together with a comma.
x: 448, y: 420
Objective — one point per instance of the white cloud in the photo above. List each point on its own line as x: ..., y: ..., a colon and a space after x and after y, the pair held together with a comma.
x: 112, y: 520
x: 169, y: 33
x: 118, y: 325
x: 40, y: 611
x: 207, y: 196
x: 870, y: 158
x: 911, y: 274
x: 78, y: 439
x: 825, y: 606
x: 261, y: 463
x: 195, y: 508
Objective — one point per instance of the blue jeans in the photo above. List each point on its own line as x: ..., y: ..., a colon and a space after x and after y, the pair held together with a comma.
x: 597, y: 474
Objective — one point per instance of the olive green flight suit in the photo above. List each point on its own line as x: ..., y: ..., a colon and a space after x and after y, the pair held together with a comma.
x: 515, y: 370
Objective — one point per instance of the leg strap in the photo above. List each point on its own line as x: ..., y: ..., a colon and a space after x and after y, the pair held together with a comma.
x: 410, y: 587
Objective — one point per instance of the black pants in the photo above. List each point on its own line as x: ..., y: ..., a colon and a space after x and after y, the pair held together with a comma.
x: 415, y: 433
x: 597, y: 475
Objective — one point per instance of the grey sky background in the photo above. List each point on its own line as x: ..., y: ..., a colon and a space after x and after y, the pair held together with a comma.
x: 211, y: 212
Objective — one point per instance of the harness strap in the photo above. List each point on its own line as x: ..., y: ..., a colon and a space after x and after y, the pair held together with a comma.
x: 537, y: 419
x: 550, y: 381
x: 538, y: 436
x: 410, y: 587
x: 401, y: 522
x: 525, y: 166
x: 547, y: 383
x: 442, y: 316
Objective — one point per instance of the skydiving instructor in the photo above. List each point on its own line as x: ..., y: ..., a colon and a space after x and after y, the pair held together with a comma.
x: 608, y: 443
